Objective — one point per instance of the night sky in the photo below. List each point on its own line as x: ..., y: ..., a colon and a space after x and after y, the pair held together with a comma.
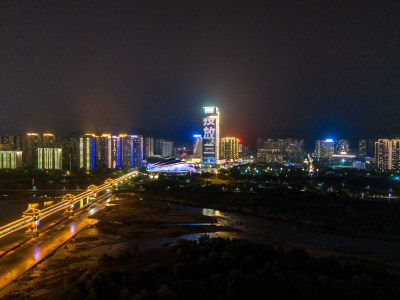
x: 308, y: 69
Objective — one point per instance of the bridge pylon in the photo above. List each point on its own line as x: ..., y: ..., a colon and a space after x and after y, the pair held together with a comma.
x: 70, y: 209
x: 34, y: 214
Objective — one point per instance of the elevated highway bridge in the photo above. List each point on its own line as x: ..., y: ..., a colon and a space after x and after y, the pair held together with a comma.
x: 31, y: 217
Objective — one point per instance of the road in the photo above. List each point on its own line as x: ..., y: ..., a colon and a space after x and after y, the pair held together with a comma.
x: 24, y: 257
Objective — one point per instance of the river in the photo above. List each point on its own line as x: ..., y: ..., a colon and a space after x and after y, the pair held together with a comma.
x: 281, y: 232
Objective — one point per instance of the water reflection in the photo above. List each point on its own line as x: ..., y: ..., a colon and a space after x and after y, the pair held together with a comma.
x: 36, y: 252
x: 211, y: 212
x: 282, y: 232
x: 194, y: 224
x: 72, y: 228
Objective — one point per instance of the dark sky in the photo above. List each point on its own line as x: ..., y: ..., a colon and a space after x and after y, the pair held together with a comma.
x: 307, y: 69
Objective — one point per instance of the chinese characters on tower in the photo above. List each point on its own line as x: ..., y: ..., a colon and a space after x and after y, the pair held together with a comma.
x: 210, y: 135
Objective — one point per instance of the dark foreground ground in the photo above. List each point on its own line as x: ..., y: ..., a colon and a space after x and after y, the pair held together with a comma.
x: 132, y: 253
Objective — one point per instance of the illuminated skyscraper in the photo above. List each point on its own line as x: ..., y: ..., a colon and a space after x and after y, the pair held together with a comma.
x: 137, y: 151
x: 114, y: 161
x: 198, y: 146
x: 131, y: 151
x: 126, y: 151
x: 211, y: 139
x: 104, y: 152
x: 324, y: 148
x: 10, y: 159
x: 230, y: 148
x: 148, y: 147
x: 289, y: 151
x: 387, y: 154
x: 87, y: 152
x: 49, y: 158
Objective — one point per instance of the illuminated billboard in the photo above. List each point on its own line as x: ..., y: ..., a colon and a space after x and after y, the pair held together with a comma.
x: 210, y: 135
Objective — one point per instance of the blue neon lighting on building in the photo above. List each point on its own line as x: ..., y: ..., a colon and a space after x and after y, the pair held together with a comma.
x: 118, y: 154
x: 92, y: 153
x: 131, y: 152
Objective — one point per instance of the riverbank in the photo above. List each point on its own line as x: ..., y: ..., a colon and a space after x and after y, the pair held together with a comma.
x: 238, y: 204
x: 127, y: 223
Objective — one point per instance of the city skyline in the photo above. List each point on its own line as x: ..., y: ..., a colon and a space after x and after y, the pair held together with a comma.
x: 309, y: 144
x: 278, y: 69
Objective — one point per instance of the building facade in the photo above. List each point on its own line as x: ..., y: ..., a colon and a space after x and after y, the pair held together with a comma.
x: 211, y: 135
x: 49, y: 158
x: 324, y: 149
x: 131, y: 151
x: 114, y: 159
x: 387, y: 154
x: 148, y: 147
x: 343, y: 147
x: 10, y: 159
x: 48, y: 140
x: 70, y: 154
x: 281, y: 151
x: 30, y: 142
x: 167, y: 148
x: 87, y: 152
x: 366, y: 147
x: 230, y: 148
x: 198, y: 146
x: 137, y: 151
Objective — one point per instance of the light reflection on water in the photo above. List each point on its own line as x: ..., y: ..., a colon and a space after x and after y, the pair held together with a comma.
x: 194, y: 224
x: 36, y: 252
x: 72, y: 228
x: 211, y: 212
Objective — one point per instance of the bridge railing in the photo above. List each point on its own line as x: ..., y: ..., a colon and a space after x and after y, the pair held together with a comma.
x: 16, y: 225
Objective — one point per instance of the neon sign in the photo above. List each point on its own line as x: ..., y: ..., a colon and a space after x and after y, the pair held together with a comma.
x: 209, y: 110
x: 210, y: 135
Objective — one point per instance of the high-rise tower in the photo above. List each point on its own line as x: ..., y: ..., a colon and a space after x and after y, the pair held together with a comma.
x: 230, y: 148
x: 87, y: 152
x: 211, y: 139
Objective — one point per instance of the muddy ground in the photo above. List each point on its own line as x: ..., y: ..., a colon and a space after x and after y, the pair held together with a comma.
x: 128, y: 224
